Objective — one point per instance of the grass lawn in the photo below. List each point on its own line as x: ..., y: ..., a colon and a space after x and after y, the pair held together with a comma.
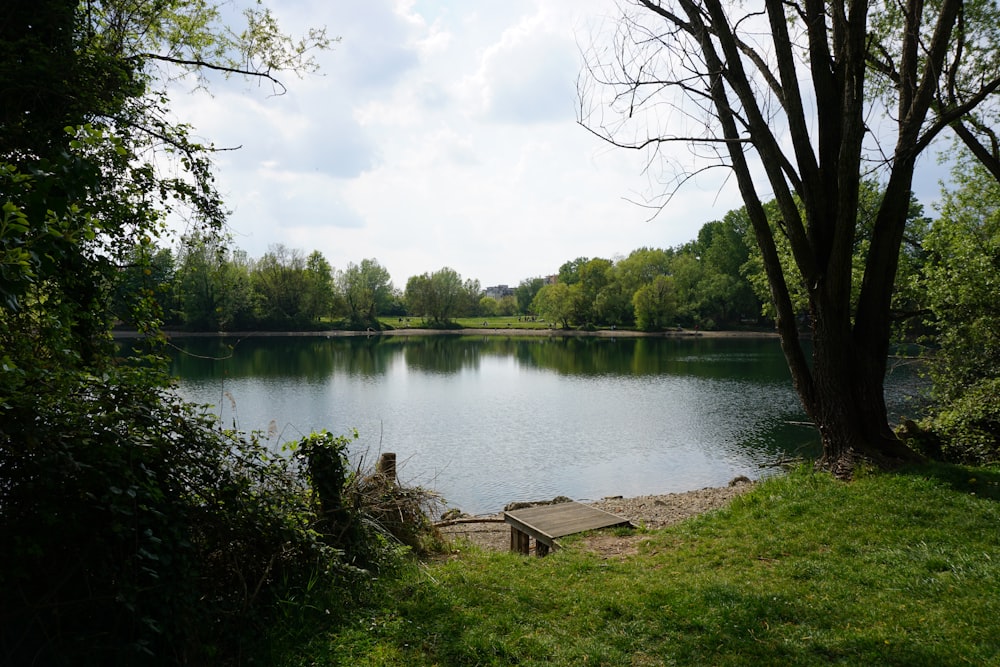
x: 892, y: 569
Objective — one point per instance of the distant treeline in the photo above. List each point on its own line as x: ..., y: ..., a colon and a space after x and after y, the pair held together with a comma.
x: 714, y: 281
x: 205, y: 285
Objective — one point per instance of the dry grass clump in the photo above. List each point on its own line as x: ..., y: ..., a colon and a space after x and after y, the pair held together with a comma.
x: 395, y: 510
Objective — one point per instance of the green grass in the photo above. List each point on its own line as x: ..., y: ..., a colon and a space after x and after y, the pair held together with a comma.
x: 900, y: 569
x: 497, y: 322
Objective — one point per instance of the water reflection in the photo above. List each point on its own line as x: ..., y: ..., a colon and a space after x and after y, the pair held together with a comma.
x: 488, y: 420
x: 319, y: 357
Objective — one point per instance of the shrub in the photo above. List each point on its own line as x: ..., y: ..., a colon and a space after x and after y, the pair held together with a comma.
x: 359, y: 508
x: 969, y: 427
x: 137, y: 531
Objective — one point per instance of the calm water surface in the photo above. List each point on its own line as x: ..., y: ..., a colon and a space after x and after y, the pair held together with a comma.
x: 486, y: 421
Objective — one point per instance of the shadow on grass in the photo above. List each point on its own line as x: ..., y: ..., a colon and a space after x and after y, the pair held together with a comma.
x: 982, y: 482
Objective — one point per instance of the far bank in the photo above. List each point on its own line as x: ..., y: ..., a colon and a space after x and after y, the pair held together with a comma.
x: 483, y: 331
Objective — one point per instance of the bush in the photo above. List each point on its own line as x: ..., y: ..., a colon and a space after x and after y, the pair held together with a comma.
x: 137, y: 531
x: 969, y: 426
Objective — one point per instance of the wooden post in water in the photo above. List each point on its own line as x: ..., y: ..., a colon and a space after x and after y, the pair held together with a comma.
x: 386, y: 466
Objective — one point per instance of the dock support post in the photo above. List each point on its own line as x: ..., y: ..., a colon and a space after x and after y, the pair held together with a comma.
x: 519, y: 542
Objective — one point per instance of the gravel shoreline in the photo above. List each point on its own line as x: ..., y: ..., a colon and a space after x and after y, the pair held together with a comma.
x: 489, y: 532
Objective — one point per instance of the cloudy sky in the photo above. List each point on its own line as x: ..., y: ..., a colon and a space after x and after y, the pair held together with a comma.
x: 440, y: 133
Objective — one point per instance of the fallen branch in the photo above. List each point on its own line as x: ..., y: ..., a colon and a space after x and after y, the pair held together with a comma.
x: 453, y: 522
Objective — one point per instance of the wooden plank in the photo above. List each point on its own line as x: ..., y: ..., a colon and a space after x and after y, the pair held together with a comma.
x: 546, y: 523
x: 519, y: 541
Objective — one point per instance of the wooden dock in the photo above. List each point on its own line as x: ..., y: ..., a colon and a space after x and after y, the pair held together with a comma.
x: 547, y: 523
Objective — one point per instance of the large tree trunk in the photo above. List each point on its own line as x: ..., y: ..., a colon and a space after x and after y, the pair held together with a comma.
x: 848, y: 402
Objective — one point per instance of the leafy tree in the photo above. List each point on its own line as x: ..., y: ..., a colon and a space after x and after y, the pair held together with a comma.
x: 87, y: 131
x: 279, y: 280
x: 641, y: 267
x: 367, y: 290
x: 419, y: 295
x: 488, y: 307
x: 525, y: 293
x: 319, y: 299
x: 148, y: 271
x: 395, y: 307
x: 472, y: 293
x: 655, y: 304
x: 722, y: 245
x: 592, y: 276
x: 961, y: 280
x: 707, y: 295
x: 215, y: 286
x: 805, y: 138
x: 555, y: 303
x: 440, y: 296
x: 569, y: 272
x: 687, y: 272
x: 613, y: 304
x: 507, y: 306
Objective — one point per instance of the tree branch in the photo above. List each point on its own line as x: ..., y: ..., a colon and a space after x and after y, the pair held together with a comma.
x: 201, y: 64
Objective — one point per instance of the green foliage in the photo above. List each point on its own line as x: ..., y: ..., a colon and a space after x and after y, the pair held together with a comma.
x: 960, y: 281
x: 569, y: 272
x: 367, y: 291
x: 326, y: 462
x: 320, y: 298
x: 555, y: 303
x: 143, y: 532
x: 441, y: 296
x: 655, y: 304
x: 592, y: 277
x: 905, y: 300
x: 134, y: 530
x: 642, y: 266
x: 214, y: 284
x: 360, y: 509
x: 215, y: 288
x: 969, y: 426
x: 488, y: 307
x: 279, y: 280
x: 525, y: 293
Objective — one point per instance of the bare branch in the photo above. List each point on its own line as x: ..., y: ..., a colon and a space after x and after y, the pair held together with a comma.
x: 201, y: 64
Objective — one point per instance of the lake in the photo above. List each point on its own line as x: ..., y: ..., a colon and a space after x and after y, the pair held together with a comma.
x: 486, y: 420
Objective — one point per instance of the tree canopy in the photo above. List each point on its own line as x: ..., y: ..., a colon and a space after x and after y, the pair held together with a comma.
x: 440, y: 296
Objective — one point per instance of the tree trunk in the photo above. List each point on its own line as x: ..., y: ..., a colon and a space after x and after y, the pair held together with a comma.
x: 848, y: 400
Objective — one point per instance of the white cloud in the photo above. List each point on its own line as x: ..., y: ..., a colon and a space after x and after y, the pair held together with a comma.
x: 440, y: 134
x: 526, y: 77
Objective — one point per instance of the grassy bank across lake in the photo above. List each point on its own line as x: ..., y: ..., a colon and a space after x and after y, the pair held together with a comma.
x: 891, y: 569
